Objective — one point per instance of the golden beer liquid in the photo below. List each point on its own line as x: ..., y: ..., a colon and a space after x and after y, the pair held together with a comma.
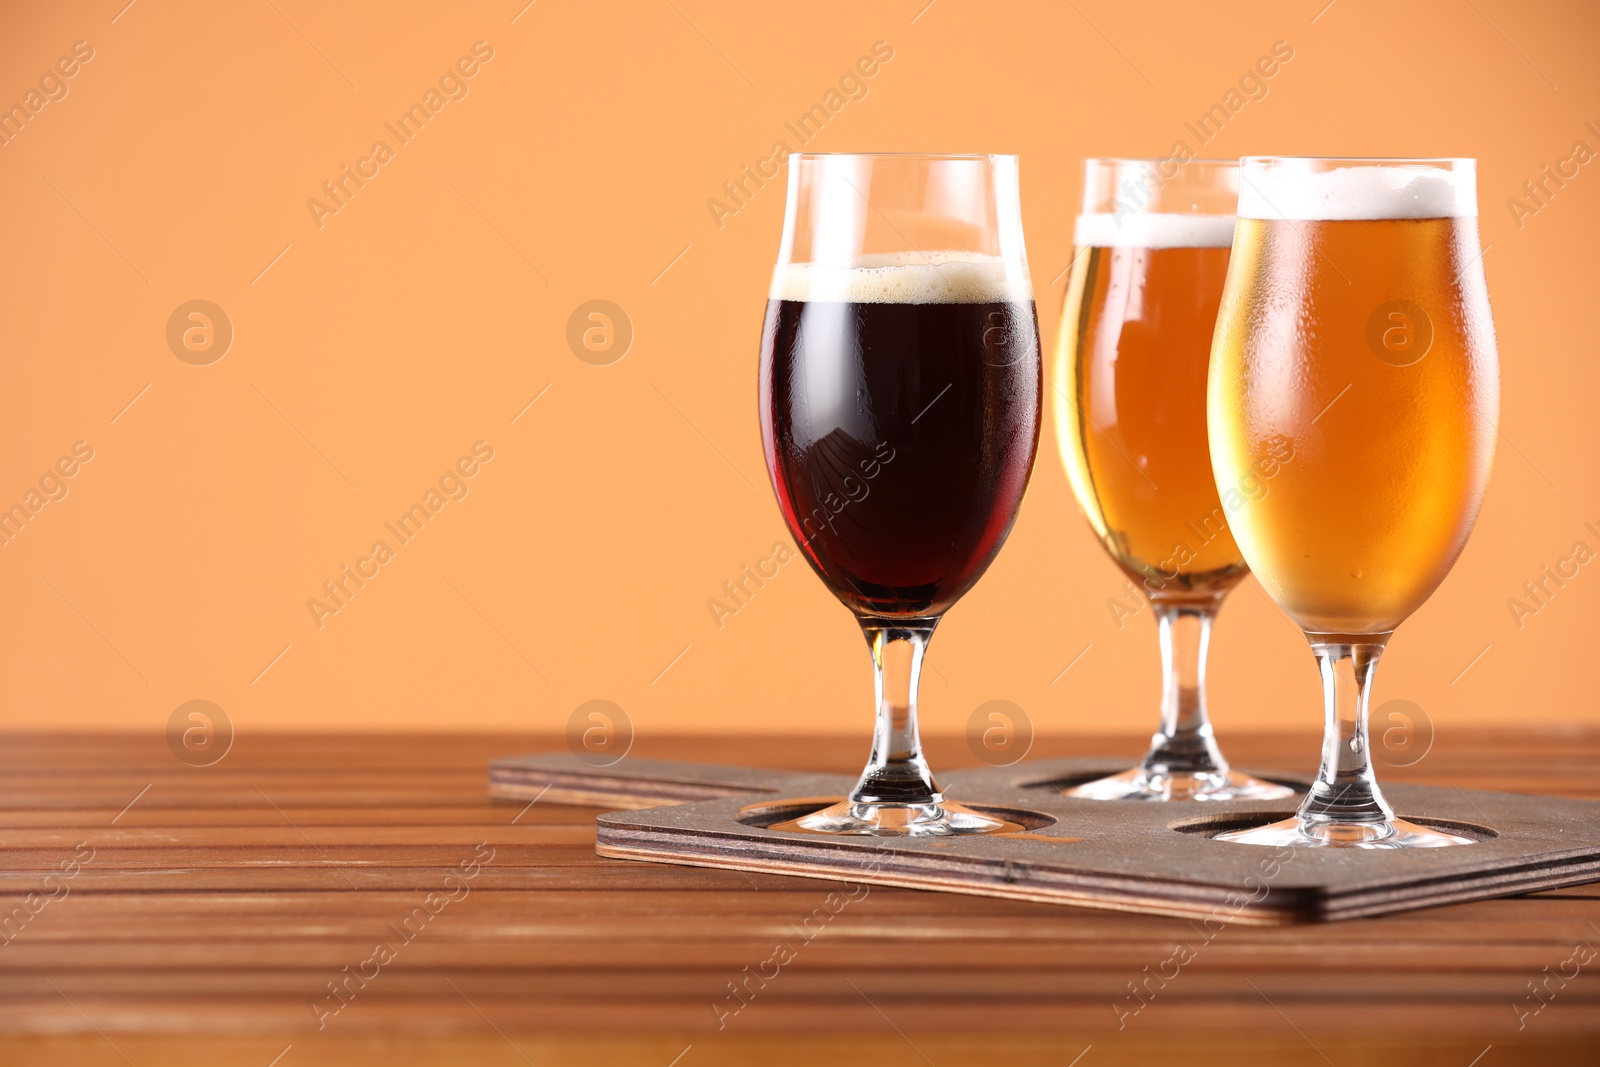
x: 1369, y: 347
x: 1130, y: 409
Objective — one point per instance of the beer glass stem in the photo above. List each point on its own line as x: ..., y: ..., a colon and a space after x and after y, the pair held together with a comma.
x: 897, y: 774
x: 1184, y: 745
x: 1346, y: 790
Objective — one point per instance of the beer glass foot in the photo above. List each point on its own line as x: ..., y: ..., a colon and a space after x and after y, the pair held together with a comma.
x: 1142, y: 784
x: 902, y: 820
x: 1305, y: 833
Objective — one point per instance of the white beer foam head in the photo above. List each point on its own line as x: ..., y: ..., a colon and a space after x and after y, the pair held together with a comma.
x: 1399, y: 191
x: 1153, y: 229
x: 906, y: 278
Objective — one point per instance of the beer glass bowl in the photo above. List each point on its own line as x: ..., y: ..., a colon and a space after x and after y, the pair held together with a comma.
x: 1130, y: 414
x: 1355, y: 325
x: 899, y: 401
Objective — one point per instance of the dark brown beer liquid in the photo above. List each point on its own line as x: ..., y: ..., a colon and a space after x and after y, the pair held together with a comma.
x: 899, y: 438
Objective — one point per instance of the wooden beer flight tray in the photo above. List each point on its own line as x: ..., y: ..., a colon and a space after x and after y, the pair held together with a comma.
x: 1117, y: 855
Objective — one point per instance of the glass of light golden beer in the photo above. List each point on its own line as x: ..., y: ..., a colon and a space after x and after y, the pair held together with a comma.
x: 1130, y: 412
x: 1355, y: 325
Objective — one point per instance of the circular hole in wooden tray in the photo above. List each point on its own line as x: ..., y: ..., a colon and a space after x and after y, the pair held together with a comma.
x: 1076, y: 778
x: 1222, y: 822
x: 770, y: 813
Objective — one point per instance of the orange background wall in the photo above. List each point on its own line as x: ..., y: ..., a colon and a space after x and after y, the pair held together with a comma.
x: 429, y: 311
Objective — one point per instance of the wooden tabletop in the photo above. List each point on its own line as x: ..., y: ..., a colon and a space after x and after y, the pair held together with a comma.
x: 172, y: 914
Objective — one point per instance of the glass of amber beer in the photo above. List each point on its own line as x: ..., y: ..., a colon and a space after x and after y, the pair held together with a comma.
x: 1355, y: 324
x: 1130, y: 407
x: 899, y: 399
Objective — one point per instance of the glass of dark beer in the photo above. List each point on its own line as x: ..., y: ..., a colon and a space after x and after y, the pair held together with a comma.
x: 900, y: 382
